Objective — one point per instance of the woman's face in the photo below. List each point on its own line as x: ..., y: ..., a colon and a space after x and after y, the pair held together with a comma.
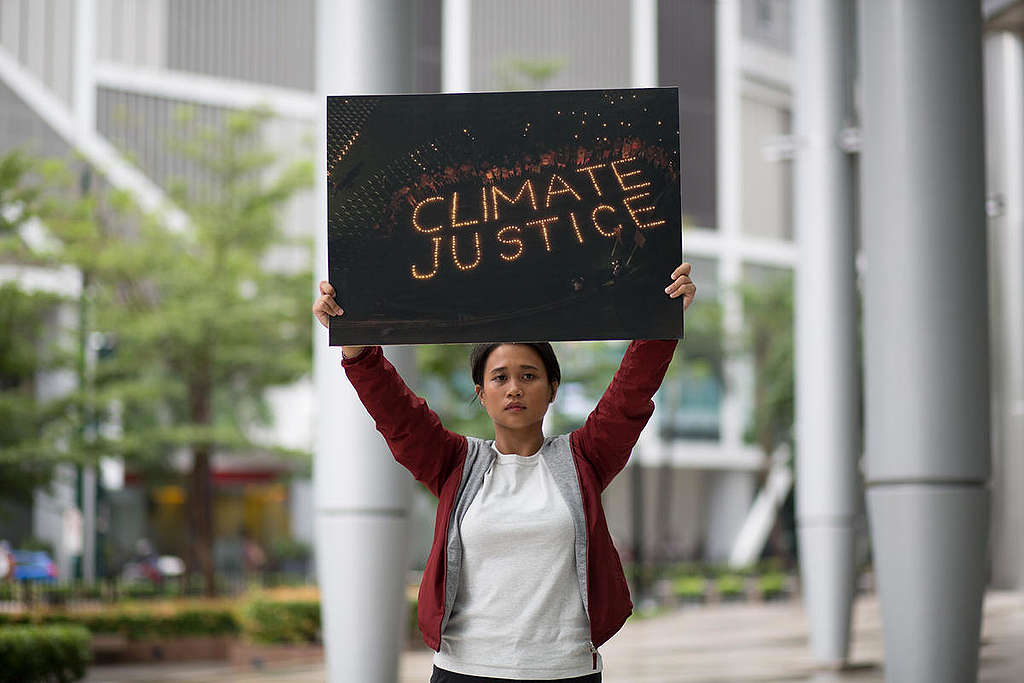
x: 516, y: 391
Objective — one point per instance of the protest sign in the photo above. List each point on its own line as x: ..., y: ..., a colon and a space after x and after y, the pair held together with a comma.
x: 523, y: 216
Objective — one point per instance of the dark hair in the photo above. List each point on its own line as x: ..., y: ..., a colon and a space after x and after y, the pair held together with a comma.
x: 478, y: 359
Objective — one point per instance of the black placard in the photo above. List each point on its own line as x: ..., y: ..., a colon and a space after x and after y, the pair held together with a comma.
x: 523, y: 216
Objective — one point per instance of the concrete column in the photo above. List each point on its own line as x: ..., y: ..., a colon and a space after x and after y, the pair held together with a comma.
x: 738, y: 372
x: 643, y: 34
x: 926, y: 331
x: 455, y: 47
x: 827, y: 435
x: 1004, y: 127
x: 83, y: 86
x: 361, y: 495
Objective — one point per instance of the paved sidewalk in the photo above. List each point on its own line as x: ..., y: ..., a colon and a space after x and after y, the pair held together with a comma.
x: 737, y: 643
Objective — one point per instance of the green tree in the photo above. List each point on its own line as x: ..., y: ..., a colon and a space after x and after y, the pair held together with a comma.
x: 768, y: 338
x: 19, y: 200
x: 28, y: 453
x: 27, y: 458
x: 199, y: 323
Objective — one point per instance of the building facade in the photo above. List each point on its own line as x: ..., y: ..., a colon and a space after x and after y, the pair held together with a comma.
x: 107, y: 77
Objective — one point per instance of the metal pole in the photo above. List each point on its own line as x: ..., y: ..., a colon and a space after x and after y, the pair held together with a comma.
x: 361, y: 495
x: 926, y: 331
x: 825, y: 317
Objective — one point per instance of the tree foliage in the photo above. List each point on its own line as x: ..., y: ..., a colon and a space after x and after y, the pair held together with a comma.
x: 196, y: 322
x: 768, y: 338
x: 27, y: 455
x: 29, y: 424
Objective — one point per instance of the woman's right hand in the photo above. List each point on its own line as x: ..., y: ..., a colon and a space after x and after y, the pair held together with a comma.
x: 325, y: 307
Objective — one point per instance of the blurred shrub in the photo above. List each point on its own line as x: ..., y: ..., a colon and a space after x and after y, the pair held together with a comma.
x: 141, y: 591
x: 284, y: 549
x: 771, y: 565
x: 87, y: 591
x: 57, y: 595
x: 282, y: 622
x: 730, y: 585
x: 772, y: 585
x: 43, y: 653
x: 679, y: 569
x: 690, y: 588
x: 33, y: 543
x: 412, y: 621
x: 140, y: 625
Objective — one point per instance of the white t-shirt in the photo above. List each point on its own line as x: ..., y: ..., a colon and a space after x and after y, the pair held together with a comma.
x: 518, y: 611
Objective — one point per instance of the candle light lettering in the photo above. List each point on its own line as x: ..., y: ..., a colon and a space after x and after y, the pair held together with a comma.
x: 515, y: 240
x: 589, y: 170
x: 633, y: 211
x: 543, y: 224
x: 455, y: 253
x: 565, y: 189
x: 576, y: 227
x: 527, y: 186
x: 416, y: 215
x: 619, y: 176
x: 510, y: 239
x: 455, y: 209
x: 593, y: 217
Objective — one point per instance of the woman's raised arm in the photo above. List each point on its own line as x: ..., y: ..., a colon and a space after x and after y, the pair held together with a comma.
x: 613, y: 427
x: 418, y: 440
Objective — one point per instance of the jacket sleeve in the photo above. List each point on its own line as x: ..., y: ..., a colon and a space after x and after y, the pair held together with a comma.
x: 613, y: 427
x: 412, y: 430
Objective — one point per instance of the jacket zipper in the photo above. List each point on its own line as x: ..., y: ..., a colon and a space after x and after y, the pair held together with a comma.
x: 593, y: 652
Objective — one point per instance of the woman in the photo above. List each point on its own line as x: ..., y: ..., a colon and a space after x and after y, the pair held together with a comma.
x: 522, y: 582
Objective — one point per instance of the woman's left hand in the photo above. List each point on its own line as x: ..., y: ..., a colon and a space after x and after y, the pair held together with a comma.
x: 682, y: 285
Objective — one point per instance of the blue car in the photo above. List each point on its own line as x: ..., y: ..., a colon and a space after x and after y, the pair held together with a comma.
x: 34, y: 565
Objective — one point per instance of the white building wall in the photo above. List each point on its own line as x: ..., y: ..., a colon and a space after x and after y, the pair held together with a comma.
x: 132, y: 32
x: 590, y: 39
x: 38, y: 34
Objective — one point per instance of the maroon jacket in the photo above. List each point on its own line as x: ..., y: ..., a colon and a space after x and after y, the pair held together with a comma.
x: 436, y: 457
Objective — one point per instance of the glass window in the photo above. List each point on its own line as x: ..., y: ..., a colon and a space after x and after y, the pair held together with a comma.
x: 689, y: 403
x: 686, y: 59
x: 768, y: 23
x: 536, y: 44
x: 767, y: 184
x: 768, y: 339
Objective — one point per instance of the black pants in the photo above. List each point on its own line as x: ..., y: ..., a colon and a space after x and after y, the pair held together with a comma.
x: 442, y: 676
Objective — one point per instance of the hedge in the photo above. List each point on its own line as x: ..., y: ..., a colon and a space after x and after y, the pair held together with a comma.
x: 690, y: 587
x: 43, y: 653
x: 283, y: 622
x: 772, y: 585
x: 139, y: 625
x: 729, y: 585
x: 261, y: 620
